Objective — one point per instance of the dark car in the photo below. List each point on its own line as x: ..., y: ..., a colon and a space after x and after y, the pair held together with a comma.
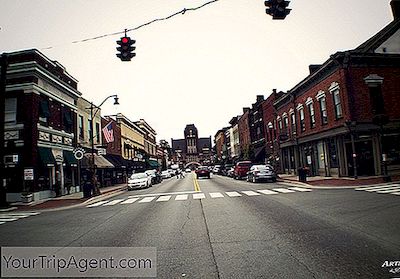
x: 202, y: 172
x: 241, y: 169
x: 261, y: 173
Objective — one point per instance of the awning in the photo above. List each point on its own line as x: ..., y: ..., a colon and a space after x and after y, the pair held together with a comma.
x: 259, y: 153
x: 46, y: 156
x: 69, y: 158
x: 99, y: 161
x: 116, y: 160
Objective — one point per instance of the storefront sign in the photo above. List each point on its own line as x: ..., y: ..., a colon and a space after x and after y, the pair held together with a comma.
x: 309, y: 160
x: 28, y: 174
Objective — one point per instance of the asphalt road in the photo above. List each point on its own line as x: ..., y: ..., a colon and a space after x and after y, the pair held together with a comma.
x: 228, y: 233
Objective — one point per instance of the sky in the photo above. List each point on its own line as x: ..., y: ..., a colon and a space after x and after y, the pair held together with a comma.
x: 199, y: 68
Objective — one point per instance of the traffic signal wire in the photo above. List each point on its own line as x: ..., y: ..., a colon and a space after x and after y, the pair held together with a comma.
x: 181, y: 12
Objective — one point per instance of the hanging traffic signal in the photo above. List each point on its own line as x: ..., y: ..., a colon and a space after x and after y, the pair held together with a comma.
x: 125, y: 49
x: 277, y: 8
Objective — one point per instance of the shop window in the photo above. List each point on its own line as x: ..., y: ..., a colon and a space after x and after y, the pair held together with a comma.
x: 10, y: 113
x: 332, y: 149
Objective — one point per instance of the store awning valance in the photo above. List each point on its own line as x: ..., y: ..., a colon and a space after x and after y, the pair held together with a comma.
x: 116, y: 160
x: 99, y: 161
x: 69, y: 158
x: 46, y: 156
x: 153, y: 163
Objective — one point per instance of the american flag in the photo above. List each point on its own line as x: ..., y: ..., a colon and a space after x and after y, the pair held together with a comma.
x: 108, y: 133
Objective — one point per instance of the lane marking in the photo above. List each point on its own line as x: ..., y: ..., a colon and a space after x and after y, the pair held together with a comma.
x: 199, y: 196
x: 251, y: 193
x: 129, y: 201
x: 1, y: 223
x: 97, y: 203
x: 216, y: 195
x: 147, y: 199
x: 233, y: 194
x: 113, y: 202
x: 181, y: 197
x: 395, y: 193
x: 163, y: 198
x: 23, y: 213
x: 389, y: 191
x: 283, y: 190
x: 373, y: 188
x: 300, y: 189
x: 267, y: 192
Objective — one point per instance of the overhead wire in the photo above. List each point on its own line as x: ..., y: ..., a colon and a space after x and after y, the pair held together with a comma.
x: 181, y: 12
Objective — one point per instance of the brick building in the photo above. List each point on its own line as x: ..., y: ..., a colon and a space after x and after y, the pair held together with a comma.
x: 40, y: 121
x: 244, y: 135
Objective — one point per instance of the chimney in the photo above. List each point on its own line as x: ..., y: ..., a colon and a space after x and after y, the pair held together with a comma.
x: 245, y: 110
x: 260, y: 98
x: 395, y: 8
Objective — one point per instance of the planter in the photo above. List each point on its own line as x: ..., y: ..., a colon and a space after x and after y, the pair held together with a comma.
x: 26, y: 197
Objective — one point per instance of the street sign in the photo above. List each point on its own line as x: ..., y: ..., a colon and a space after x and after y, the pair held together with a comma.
x: 28, y: 174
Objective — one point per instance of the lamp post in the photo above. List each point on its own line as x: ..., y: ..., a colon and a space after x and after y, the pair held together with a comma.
x: 93, y: 113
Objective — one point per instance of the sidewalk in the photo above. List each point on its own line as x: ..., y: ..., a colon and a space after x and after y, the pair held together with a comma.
x: 68, y: 201
x: 335, y: 182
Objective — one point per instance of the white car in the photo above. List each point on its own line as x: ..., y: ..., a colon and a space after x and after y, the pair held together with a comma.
x: 188, y: 170
x: 139, y: 181
x: 165, y: 174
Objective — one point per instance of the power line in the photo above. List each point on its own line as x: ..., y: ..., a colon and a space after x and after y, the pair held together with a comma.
x: 181, y: 12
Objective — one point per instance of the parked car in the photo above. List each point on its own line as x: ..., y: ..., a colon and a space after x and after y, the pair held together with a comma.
x: 155, y: 176
x: 188, y: 170
x: 139, y: 181
x: 241, y: 169
x: 202, y: 172
x: 165, y: 174
x: 216, y: 169
x: 225, y: 169
x: 229, y: 173
x: 261, y: 172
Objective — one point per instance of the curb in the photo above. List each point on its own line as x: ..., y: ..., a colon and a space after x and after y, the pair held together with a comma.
x: 101, y: 197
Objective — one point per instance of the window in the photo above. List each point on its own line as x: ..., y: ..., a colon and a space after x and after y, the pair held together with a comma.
x: 337, y: 103
x: 10, y: 113
x: 97, y: 132
x: 44, y: 112
x: 302, y: 122
x: 324, y: 113
x: 312, y: 115
x: 81, y: 128
x: 89, y: 130
x: 67, y: 120
x: 285, y: 122
x: 280, y: 124
x: 293, y: 122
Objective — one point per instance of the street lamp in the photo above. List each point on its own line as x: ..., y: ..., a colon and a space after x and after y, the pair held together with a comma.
x: 92, y: 116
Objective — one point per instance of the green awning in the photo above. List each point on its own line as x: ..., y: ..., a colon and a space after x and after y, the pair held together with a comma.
x: 46, y: 156
x: 69, y: 158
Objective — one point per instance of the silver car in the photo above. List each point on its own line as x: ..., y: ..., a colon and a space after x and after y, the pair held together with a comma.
x: 261, y: 172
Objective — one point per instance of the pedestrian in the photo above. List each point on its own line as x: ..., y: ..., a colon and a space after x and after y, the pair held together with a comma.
x: 177, y: 174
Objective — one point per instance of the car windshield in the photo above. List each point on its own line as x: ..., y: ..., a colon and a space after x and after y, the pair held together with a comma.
x: 138, y: 175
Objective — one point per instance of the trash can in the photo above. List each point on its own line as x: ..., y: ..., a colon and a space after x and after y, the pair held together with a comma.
x: 302, y: 174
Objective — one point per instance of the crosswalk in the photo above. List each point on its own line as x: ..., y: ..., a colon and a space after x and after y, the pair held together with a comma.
x: 393, y: 189
x: 181, y: 196
x: 14, y: 216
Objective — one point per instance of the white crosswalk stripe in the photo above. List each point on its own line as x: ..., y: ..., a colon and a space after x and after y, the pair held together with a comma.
x: 183, y: 196
x: 250, y: 193
x: 283, y: 190
x: 147, y: 199
x: 267, y: 192
x: 14, y: 216
x: 199, y: 196
x: 216, y: 195
x: 129, y: 201
x: 233, y: 194
x: 164, y: 198
x: 393, y: 189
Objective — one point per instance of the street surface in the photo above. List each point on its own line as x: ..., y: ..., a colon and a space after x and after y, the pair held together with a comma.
x: 232, y: 229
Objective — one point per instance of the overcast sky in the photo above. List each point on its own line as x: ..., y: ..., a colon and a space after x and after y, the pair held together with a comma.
x: 202, y: 67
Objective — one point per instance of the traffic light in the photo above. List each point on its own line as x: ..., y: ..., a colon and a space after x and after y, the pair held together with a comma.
x: 125, y: 48
x: 277, y: 8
